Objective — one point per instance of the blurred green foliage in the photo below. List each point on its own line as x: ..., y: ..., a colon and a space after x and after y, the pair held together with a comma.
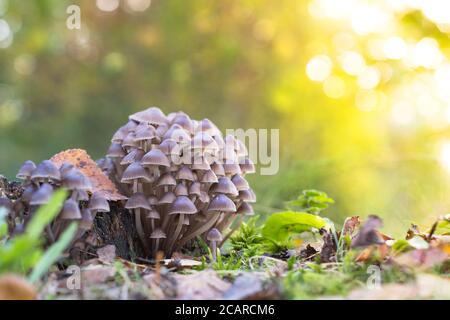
x: 240, y: 64
x: 23, y: 253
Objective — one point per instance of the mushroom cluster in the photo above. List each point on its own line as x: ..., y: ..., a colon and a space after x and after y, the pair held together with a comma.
x: 39, y: 183
x: 182, y: 177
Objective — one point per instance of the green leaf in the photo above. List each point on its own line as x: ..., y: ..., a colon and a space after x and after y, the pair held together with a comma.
x: 311, y: 201
x: 53, y: 253
x: 400, y: 245
x: 46, y: 214
x: 280, y: 226
x: 443, y: 228
x: 3, y: 224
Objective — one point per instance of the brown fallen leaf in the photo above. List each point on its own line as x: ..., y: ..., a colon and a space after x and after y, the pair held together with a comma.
x: 350, y: 225
x: 13, y: 287
x: 83, y: 162
x: 370, y: 253
x: 200, y: 285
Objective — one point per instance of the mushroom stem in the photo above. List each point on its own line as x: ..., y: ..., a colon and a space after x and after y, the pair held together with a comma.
x: 236, y: 226
x: 199, y: 231
x: 175, y: 234
x: 156, y: 248
x: 226, y: 222
x: 138, y: 222
x: 214, y: 250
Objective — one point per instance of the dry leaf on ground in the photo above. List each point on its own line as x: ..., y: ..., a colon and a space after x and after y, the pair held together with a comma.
x: 200, y: 285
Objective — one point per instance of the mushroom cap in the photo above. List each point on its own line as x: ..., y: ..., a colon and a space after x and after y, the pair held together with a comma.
x: 157, y: 234
x: 75, y: 180
x: 82, y: 195
x: 214, y: 235
x: 184, y: 121
x: 166, y: 180
x: 247, y: 195
x: 86, y: 219
x: 179, y: 135
x: 232, y: 168
x: 161, y: 129
x: 138, y: 201
x: 184, y: 173
x: 181, y: 190
x: 151, y: 115
x: 231, y: 141
x: 130, y: 126
x: 146, y: 133
x: 200, y: 164
x: 240, y: 182
x: 246, y: 209
x: 221, y: 203
x: 218, y: 169
x: 46, y: 170
x: 42, y: 195
x: 226, y: 186
x: 182, y: 205
x: 207, y: 126
x: 65, y: 168
x: 247, y: 166
x: 153, y: 214
x: 98, y: 203
x: 119, y: 135
x: 130, y: 141
x: 28, y: 193
x: 26, y: 169
x: 167, y: 198
x: 203, y: 140
x: 70, y: 210
x: 134, y: 155
x: 155, y: 157
x: 209, y: 177
x: 115, y: 151
x: 135, y: 171
x: 195, y: 188
x: 169, y: 147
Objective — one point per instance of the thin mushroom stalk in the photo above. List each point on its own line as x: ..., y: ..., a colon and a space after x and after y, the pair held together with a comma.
x: 208, y: 225
x: 138, y: 221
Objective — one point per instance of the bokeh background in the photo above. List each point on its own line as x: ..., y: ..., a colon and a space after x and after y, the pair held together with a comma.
x: 359, y: 89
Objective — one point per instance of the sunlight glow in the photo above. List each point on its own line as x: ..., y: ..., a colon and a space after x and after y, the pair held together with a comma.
x: 107, y: 5
x: 334, y: 87
x: 395, y: 48
x: 319, y: 68
x: 369, y: 78
x: 352, y: 62
x: 444, y: 156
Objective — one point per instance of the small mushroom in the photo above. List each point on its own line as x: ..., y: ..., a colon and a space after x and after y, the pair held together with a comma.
x: 26, y: 170
x: 98, y: 203
x: 42, y: 195
x: 181, y: 206
x: 45, y: 171
x: 70, y: 211
x: 214, y: 236
x: 157, y: 235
